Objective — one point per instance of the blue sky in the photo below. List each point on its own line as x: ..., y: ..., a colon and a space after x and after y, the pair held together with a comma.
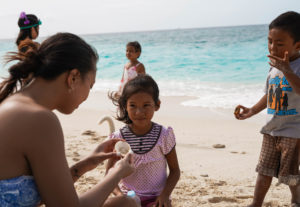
x: 104, y: 16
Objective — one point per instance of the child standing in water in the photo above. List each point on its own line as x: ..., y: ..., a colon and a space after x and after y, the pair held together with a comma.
x: 133, y: 67
x: 279, y: 155
x: 152, y: 144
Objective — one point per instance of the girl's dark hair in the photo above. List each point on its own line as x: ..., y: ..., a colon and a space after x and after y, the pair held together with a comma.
x: 136, y: 46
x: 24, y: 33
x: 141, y: 83
x: 289, y: 22
x: 57, y: 54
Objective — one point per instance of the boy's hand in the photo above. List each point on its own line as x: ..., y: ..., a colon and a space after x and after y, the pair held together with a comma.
x: 282, y: 64
x: 244, y: 113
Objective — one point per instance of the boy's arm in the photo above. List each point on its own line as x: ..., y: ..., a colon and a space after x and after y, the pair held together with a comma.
x: 293, y: 80
x: 248, y: 112
x: 172, y: 179
x: 110, y: 164
x: 283, y: 65
x: 260, y: 105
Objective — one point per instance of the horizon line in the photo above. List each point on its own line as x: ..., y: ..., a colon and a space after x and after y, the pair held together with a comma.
x: 154, y: 30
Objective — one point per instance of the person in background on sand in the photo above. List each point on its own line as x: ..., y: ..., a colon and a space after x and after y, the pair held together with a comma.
x: 29, y: 26
x: 280, y: 150
x: 133, y: 67
x: 152, y: 144
x: 33, y: 162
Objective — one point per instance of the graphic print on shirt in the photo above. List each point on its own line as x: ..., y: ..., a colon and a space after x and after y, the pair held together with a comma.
x: 278, y: 97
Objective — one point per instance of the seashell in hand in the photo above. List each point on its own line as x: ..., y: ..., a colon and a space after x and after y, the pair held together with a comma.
x: 237, y: 111
x: 122, y: 147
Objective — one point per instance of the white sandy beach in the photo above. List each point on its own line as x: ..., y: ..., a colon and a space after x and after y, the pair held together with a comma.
x: 210, y: 177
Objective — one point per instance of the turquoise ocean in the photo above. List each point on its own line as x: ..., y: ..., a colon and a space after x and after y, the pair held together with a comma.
x: 217, y: 67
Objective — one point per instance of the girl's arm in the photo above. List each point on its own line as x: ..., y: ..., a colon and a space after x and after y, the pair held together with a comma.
x: 46, y: 156
x: 172, y: 179
x: 140, y: 69
x: 110, y: 163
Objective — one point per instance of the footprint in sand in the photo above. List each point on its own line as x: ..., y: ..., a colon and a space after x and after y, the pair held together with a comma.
x: 222, y: 199
x: 272, y: 204
x: 244, y: 196
x: 76, y: 154
x: 220, y: 183
x: 95, y: 138
x: 89, y: 132
x: 75, y: 159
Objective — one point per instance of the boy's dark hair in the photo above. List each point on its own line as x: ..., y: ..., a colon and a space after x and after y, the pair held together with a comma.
x: 141, y: 83
x: 136, y: 46
x: 289, y: 22
x: 57, y: 54
x: 24, y: 33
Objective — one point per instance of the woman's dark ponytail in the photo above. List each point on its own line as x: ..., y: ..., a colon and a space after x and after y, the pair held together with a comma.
x: 28, y: 63
x: 56, y: 55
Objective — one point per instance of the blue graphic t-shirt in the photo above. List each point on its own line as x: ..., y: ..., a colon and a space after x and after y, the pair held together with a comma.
x: 283, y: 107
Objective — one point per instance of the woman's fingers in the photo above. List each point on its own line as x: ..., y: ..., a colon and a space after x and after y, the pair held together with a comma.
x: 109, y: 155
x: 107, y: 145
x: 128, y: 158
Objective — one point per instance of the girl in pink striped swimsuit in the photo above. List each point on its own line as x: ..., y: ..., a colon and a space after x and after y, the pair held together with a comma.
x: 133, y: 67
x: 153, y: 145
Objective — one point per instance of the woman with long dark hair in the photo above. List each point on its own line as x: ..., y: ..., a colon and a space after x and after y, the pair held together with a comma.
x: 33, y: 162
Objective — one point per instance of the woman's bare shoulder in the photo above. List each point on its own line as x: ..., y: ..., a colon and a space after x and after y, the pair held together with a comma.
x: 23, y: 114
x: 22, y: 105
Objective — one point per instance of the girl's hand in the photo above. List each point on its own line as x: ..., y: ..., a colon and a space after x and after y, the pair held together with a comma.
x: 244, y: 113
x: 282, y: 64
x: 123, y: 167
x: 162, y: 201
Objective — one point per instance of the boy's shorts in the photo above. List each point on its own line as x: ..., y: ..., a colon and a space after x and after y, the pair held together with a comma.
x: 279, y: 157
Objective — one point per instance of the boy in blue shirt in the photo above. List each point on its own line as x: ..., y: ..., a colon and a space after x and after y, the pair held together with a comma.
x: 280, y: 154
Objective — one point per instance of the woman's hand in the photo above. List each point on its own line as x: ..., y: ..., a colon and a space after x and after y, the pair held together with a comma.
x: 123, y: 167
x: 162, y: 201
x: 103, y: 151
x: 242, y: 112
